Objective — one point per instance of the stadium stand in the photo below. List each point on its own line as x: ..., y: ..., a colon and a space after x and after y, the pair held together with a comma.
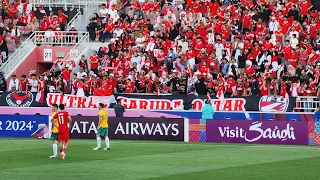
x: 235, y: 48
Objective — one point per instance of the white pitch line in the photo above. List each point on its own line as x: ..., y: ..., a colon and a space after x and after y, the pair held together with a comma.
x: 185, y: 144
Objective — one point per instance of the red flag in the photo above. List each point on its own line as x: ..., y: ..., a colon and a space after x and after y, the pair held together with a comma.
x: 41, y: 9
x: 220, y: 96
x: 283, y: 92
x: 40, y: 97
x: 189, y: 71
x: 102, y: 92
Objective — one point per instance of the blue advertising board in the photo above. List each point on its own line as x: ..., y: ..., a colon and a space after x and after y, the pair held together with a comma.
x: 25, y: 126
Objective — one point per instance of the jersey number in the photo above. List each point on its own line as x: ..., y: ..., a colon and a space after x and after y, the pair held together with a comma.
x: 61, y: 119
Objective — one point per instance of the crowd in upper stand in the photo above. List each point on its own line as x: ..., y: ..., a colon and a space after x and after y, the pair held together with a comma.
x: 234, y: 47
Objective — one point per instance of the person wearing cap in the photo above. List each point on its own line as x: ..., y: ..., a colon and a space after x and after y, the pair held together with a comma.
x: 62, y: 18
x: 73, y: 33
x: 207, y: 111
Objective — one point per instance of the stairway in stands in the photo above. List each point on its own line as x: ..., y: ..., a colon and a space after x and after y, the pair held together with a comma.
x: 86, y: 9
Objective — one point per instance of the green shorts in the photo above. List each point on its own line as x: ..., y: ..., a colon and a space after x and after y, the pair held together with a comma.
x: 54, y: 137
x: 103, y: 131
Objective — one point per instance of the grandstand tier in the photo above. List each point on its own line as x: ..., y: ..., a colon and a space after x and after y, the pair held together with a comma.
x: 234, y: 48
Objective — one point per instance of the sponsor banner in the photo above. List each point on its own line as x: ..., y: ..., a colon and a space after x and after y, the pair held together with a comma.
x: 24, y: 126
x: 153, y: 102
x: 168, y: 102
x: 20, y: 99
x: 84, y: 127
x: 73, y: 101
x: 257, y: 132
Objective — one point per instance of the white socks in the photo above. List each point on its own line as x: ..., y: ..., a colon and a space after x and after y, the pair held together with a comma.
x: 98, y: 142
x: 107, y: 142
x: 55, y: 149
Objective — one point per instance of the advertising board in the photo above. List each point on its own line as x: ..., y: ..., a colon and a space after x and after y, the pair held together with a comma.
x: 24, y: 126
x: 85, y: 127
x: 258, y: 132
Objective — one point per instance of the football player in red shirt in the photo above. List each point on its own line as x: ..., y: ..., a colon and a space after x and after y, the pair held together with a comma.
x: 64, y: 119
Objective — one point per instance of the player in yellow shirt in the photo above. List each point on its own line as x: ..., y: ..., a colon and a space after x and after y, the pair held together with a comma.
x: 54, y: 132
x: 103, y: 128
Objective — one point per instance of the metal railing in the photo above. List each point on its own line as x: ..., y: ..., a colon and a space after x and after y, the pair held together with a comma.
x: 80, y: 48
x: 307, y: 103
x: 63, y: 3
x: 57, y: 38
x: 80, y: 21
x: 79, y: 40
x: 58, y: 3
x: 18, y: 56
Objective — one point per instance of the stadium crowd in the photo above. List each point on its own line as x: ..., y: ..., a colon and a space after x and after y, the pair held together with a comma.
x: 230, y: 47
x: 18, y: 19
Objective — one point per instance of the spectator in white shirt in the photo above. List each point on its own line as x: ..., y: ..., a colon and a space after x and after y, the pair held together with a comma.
x: 103, y: 11
x: 118, y: 31
x: 114, y: 37
x: 159, y: 25
x: 15, y: 32
x: 273, y: 25
x: 294, y: 41
x: 20, y: 9
x: 238, y: 46
x: 293, y: 31
x: 135, y: 58
x: 219, y: 47
x: 113, y: 13
x: 81, y: 73
x: 264, y: 56
x: 140, y: 41
x: 33, y: 83
x: 49, y: 35
x: 14, y: 84
x: 183, y: 43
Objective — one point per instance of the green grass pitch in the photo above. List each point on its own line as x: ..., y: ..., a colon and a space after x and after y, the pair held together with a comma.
x: 25, y: 159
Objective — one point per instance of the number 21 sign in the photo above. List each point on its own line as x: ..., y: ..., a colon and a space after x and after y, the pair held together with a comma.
x: 47, y: 54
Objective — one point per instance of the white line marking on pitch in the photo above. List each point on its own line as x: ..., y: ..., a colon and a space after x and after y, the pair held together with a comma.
x: 183, y: 144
